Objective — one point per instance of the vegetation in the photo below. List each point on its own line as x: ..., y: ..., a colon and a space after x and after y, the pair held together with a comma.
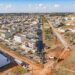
x: 19, y: 71
x: 48, y: 33
x: 71, y: 37
x: 70, y: 26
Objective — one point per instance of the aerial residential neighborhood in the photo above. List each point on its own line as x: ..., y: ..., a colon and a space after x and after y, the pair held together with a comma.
x: 37, y: 37
x: 34, y: 41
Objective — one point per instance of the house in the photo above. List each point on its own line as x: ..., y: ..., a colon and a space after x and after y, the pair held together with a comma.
x: 19, y: 38
x: 28, y: 47
x: 61, y: 30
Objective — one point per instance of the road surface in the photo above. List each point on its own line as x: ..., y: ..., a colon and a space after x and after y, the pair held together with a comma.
x: 65, y: 44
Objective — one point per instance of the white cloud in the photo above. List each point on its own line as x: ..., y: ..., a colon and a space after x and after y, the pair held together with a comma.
x: 40, y: 5
x: 56, y: 5
x: 29, y: 5
x: 74, y: 5
x: 5, y: 6
x: 1, y: 5
x: 8, y: 6
x: 45, y: 7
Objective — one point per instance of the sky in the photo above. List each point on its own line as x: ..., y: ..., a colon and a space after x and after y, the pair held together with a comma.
x: 36, y: 6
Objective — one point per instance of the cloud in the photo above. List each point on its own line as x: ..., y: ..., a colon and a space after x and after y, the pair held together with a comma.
x: 8, y: 6
x: 56, y: 5
x: 40, y: 5
x: 5, y: 6
x: 35, y: 7
x: 74, y: 5
x: 1, y: 5
x: 29, y: 5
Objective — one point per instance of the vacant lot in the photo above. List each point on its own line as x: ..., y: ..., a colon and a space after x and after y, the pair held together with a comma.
x: 68, y: 66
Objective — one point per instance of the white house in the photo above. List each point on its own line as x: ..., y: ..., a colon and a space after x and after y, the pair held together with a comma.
x: 19, y: 38
x: 27, y: 49
x: 73, y: 31
x: 34, y: 22
x: 61, y: 30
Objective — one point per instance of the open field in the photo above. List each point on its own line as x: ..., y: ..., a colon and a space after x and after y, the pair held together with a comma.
x: 67, y: 67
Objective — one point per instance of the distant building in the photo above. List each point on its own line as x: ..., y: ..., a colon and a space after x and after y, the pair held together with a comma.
x: 70, y: 17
